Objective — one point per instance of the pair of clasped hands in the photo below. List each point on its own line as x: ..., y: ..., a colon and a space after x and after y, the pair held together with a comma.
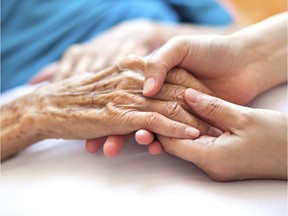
x: 241, y: 142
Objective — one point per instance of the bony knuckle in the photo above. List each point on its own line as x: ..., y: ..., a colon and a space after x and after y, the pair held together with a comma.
x: 173, y: 109
x: 177, y: 76
x: 150, y: 120
x: 213, y: 107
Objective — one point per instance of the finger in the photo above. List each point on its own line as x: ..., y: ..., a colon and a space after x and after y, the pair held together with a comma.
x: 46, y: 74
x: 220, y: 112
x: 156, y: 148
x: 160, y: 124
x: 100, y: 75
x: 99, y: 63
x: 174, y: 111
x: 179, y: 76
x: 156, y: 68
x: 68, y: 62
x: 82, y: 64
x: 187, y: 149
x: 132, y: 62
x: 93, y: 145
x: 114, y: 144
x: 144, y: 137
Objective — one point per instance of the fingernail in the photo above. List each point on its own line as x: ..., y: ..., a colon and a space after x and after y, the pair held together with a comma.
x: 191, y: 95
x: 192, y: 132
x: 212, y: 131
x: 149, y: 85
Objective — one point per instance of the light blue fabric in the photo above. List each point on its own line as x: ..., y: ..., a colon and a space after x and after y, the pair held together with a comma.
x: 37, y: 32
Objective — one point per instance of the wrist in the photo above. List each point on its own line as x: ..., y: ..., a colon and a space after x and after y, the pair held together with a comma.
x: 263, y: 51
x: 18, y: 127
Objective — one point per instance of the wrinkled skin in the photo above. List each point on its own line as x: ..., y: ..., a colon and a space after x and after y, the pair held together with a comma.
x: 111, y: 102
x: 107, y: 103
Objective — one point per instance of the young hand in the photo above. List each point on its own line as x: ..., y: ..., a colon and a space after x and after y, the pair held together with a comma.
x: 253, y: 144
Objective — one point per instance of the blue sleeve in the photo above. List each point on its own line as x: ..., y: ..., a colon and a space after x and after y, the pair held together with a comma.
x: 37, y: 32
x: 207, y: 12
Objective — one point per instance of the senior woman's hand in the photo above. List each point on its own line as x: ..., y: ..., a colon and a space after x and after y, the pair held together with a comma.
x: 96, y: 105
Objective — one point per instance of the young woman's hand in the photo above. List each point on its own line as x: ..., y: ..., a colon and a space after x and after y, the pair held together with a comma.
x: 253, y: 144
x: 236, y: 67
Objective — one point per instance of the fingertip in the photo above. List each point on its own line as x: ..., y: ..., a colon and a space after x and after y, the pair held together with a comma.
x: 191, y: 95
x: 155, y: 74
x: 192, y: 132
x: 149, y: 87
x: 110, y: 150
x: 93, y: 145
x: 144, y: 137
x: 155, y: 148
x: 113, y: 145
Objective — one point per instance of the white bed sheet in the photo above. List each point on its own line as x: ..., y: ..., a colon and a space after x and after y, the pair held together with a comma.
x: 57, y: 177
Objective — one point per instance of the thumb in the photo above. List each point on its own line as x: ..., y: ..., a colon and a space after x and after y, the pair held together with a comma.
x: 161, y: 61
x: 213, y: 109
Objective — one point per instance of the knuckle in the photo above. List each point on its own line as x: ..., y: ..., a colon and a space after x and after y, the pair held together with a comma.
x: 151, y: 120
x: 173, y: 109
x: 213, y: 107
x: 179, y: 76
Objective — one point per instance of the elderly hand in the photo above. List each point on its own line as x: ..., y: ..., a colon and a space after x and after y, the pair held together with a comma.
x: 180, y: 79
x: 253, y: 145
x: 96, y: 105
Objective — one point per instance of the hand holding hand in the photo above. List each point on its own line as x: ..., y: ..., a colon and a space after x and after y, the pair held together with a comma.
x: 253, y: 145
x: 236, y: 67
x: 96, y: 105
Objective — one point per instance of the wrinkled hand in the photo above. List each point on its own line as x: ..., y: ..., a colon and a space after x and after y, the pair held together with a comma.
x: 132, y: 37
x: 180, y: 79
x: 253, y: 145
x: 111, y: 103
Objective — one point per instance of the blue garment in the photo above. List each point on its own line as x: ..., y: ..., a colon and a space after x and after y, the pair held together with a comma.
x: 37, y: 32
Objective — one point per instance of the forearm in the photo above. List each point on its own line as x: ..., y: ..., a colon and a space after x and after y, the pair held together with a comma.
x: 265, y: 45
x: 17, y: 127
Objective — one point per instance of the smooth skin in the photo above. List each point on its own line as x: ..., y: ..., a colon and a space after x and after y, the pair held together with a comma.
x: 253, y: 145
